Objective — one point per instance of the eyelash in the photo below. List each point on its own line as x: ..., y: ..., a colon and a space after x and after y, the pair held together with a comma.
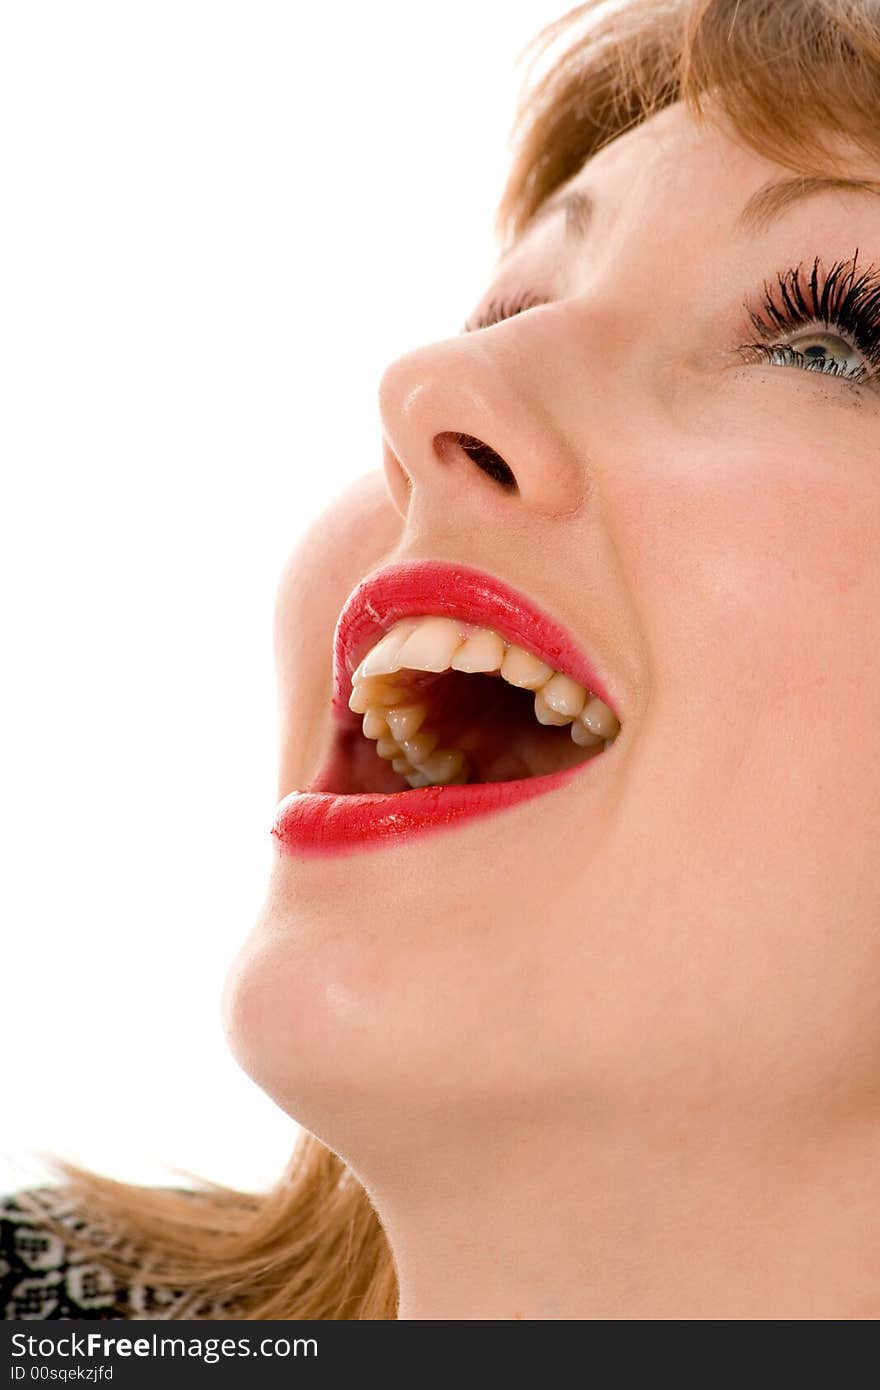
x: 498, y: 309
x: 838, y: 299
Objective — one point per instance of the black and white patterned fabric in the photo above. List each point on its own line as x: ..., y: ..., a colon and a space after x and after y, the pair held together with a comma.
x: 43, y: 1277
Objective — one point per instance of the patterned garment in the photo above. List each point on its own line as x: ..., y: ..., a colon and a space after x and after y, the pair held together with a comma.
x: 43, y: 1277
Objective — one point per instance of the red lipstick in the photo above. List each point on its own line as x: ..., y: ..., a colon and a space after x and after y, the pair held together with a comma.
x: 320, y: 822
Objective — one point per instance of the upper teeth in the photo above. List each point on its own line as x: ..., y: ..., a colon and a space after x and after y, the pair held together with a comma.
x: 443, y: 644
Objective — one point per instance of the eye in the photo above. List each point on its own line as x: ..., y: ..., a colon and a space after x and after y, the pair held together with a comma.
x: 818, y: 351
x: 829, y: 321
x: 499, y: 309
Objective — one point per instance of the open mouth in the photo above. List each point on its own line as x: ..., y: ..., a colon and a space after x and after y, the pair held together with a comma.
x: 455, y: 698
x: 444, y: 702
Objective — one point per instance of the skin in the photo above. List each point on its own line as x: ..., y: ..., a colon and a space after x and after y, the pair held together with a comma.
x: 614, y: 1053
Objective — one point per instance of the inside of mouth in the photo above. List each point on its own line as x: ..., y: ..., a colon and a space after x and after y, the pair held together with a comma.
x: 490, y: 721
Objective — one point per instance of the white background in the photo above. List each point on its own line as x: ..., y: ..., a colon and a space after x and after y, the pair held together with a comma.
x: 220, y: 221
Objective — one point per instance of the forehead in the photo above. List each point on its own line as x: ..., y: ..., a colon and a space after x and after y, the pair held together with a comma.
x: 674, y: 157
x: 678, y: 175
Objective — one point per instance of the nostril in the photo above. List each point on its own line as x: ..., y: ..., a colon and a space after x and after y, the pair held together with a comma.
x: 483, y: 455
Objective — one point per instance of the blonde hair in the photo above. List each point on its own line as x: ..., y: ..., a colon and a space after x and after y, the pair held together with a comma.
x: 788, y: 74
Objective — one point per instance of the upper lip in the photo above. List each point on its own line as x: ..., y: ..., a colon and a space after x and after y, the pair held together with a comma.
x: 439, y: 587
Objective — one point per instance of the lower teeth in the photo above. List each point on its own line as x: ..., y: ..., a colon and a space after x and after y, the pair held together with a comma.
x: 402, y: 739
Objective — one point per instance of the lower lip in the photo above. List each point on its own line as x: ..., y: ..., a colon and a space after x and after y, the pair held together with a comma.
x: 321, y: 824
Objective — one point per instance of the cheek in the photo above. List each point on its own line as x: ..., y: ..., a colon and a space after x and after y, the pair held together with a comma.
x: 755, y: 563
x: 351, y: 537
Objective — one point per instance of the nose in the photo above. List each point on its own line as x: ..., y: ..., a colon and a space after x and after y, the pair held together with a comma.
x: 474, y: 418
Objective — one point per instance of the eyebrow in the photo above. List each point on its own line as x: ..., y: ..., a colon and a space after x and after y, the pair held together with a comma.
x: 577, y: 205
x: 772, y: 199
x: 578, y: 208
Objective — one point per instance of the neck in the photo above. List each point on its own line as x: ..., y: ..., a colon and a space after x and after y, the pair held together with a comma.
x: 703, y: 1220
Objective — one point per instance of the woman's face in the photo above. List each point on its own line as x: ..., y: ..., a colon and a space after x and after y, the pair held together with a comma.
x: 697, y: 921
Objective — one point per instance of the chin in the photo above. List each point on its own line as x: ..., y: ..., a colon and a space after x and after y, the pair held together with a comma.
x: 312, y: 1013
x: 378, y: 1037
